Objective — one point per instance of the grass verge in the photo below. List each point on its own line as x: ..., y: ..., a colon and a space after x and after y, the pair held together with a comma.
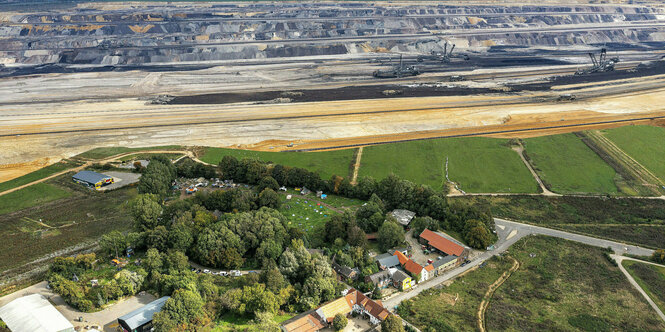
x: 651, y: 278
x: 105, y: 152
x: 36, y: 194
x: 38, y: 174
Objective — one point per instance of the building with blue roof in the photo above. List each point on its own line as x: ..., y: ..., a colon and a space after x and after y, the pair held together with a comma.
x: 92, y: 179
x: 140, y: 320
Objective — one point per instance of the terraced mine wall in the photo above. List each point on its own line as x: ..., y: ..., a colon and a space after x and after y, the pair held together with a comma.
x: 135, y: 34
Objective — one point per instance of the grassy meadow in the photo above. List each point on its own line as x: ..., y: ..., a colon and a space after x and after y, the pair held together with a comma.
x: 644, y: 143
x: 105, y: 152
x: 477, y: 164
x: 564, y: 286
x: 651, y: 278
x: 566, y: 165
x: 34, y: 195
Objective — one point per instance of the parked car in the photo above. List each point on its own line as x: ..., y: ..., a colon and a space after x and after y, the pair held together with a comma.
x: 235, y: 273
x: 206, y: 271
x: 223, y: 273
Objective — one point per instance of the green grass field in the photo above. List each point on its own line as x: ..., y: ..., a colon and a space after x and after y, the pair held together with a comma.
x: 651, y: 278
x: 437, y: 308
x: 34, y: 195
x: 477, y: 164
x: 303, y: 213
x: 38, y: 174
x: 644, y: 144
x: 100, y: 153
x: 567, y: 286
x: 327, y: 163
x: 566, y: 165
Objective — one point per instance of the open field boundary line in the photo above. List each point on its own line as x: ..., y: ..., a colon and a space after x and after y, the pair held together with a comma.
x: 356, y: 165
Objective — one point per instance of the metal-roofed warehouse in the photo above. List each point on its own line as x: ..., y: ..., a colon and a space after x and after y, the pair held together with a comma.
x: 34, y: 313
x: 140, y: 320
x: 92, y: 179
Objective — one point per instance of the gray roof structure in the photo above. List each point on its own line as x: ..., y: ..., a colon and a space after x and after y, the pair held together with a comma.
x: 379, y: 276
x: 382, y: 256
x: 90, y: 177
x: 443, y: 261
x: 389, y: 262
x: 403, y: 217
x: 143, y: 315
x: 400, y: 276
x: 34, y: 313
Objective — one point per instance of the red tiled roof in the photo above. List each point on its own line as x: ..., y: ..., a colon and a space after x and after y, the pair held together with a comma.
x: 429, y: 268
x: 402, y: 258
x: 375, y: 308
x: 441, y: 243
x: 413, y: 267
x: 307, y: 323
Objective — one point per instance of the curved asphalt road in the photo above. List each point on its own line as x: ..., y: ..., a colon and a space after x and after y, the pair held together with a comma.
x: 510, y: 232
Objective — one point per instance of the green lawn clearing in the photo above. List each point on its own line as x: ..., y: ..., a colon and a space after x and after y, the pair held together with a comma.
x: 38, y: 174
x: 644, y: 144
x: 105, y: 152
x: 476, y: 164
x: 326, y: 163
x: 566, y: 165
x: 567, y: 286
x: 34, y: 195
x: 651, y: 278
x: 305, y: 214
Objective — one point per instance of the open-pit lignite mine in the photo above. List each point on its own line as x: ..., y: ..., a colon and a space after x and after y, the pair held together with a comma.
x: 286, y: 76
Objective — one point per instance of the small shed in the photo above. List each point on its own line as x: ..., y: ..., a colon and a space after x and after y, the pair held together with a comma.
x: 140, y: 320
x: 403, y: 217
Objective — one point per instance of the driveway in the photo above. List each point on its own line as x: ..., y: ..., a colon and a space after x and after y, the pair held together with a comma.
x: 121, y: 179
x: 105, y: 319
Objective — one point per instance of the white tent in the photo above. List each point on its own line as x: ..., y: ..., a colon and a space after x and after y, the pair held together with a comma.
x: 34, y: 313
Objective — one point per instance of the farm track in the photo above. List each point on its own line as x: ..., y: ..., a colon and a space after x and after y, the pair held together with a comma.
x: 619, y: 260
x: 493, y: 287
x: 636, y: 169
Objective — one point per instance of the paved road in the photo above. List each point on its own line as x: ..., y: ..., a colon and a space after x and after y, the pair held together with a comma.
x: 510, y: 232
x: 632, y: 281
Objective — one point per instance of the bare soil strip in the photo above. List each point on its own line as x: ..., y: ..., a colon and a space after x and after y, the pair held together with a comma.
x: 356, y: 165
x: 493, y: 287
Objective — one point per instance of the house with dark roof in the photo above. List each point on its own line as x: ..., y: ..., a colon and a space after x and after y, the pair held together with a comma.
x: 402, y: 281
x: 380, y: 279
x: 345, y: 272
x: 140, y: 320
x: 388, y: 262
x: 444, y: 244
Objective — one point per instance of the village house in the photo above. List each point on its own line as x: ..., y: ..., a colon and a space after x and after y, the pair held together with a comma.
x: 402, y: 281
x: 345, y: 273
x: 380, y: 279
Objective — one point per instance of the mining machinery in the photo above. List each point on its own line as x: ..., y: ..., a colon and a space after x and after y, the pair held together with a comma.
x: 600, y: 65
x: 444, y: 56
x: 398, y: 71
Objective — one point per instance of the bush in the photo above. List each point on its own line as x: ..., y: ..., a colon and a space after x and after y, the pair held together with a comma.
x: 659, y: 256
x: 339, y: 322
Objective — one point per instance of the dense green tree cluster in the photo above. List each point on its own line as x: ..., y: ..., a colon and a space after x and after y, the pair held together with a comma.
x: 188, y: 168
x: 157, y: 176
x: 252, y: 171
x: 658, y: 256
x: 68, y: 276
